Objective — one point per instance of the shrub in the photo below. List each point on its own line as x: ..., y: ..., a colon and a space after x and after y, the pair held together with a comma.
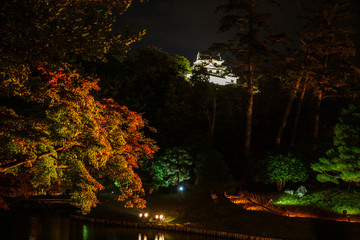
x: 283, y: 168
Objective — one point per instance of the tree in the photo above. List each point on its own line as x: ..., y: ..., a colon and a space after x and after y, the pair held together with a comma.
x: 296, y: 78
x: 169, y: 168
x: 342, y: 161
x: 78, y: 142
x: 250, y: 46
x: 59, y: 31
x: 206, y: 93
x: 329, y: 47
x: 212, y: 172
x: 283, y: 168
x: 52, y: 128
x: 152, y: 82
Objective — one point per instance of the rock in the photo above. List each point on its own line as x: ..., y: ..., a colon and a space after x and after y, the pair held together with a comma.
x: 288, y: 191
x: 301, y: 191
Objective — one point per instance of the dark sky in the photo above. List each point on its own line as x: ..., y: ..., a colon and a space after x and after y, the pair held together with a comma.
x: 185, y: 27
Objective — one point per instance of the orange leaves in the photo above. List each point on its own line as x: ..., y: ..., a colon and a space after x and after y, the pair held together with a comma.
x: 92, y: 85
x: 68, y: 85
x: 85, y: 175
x: 94, y: 139
x: 100, y: 121
x: 147, y: 150
x: 65, y: 121
x: 136, y: 122
x: 3, y: 204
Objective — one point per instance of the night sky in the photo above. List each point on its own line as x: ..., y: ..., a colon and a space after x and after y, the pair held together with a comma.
x: 185, y: 27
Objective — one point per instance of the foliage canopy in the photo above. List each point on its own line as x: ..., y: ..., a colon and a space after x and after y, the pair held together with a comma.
x: 283, y: 168
x: 79, y: 141
x: 342, y: 161
x: 52, y: 130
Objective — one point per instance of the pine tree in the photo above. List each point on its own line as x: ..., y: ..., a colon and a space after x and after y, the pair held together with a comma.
x: 328, y: 47
x: 250, y: 47
x: 342, y: 161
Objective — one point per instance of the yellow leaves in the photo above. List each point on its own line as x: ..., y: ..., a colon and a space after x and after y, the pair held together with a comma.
x: 16, y: 79
x: 59, y: 11
x: 92, y: 138
x: 85, y: 197
x: 91, y: 134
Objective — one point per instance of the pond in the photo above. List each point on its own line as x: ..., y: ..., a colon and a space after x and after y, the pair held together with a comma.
x: 54, y: 226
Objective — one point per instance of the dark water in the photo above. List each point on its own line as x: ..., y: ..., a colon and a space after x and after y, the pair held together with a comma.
x: 43, y: 226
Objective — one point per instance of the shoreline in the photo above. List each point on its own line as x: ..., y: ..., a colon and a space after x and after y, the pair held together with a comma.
x: 170, y: 227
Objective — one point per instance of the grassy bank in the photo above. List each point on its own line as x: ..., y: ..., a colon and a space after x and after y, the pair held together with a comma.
x: 196, y: 209
x: 334, y: 200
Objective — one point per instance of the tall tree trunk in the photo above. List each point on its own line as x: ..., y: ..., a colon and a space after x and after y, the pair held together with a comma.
x: 250, y: 87
x: 317, y: 114
x: 249, y: 111
x: 214, y: 116
x: 211, y: 120
x: 287, y: 111
x: 297, y: 116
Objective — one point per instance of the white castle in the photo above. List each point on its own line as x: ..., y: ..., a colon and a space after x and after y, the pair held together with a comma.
x: 218, y: 73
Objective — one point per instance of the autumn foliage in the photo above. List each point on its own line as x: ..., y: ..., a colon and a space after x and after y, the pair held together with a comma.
x: 79, y: 142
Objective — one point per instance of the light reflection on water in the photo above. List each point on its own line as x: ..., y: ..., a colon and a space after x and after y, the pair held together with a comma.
x: 85, y: 232
x: 59, y: 227
x: 157, y: 237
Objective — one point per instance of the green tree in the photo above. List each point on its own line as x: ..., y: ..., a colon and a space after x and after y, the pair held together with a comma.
x: 169, y: 168
x: 342, y: 161
x: 284, y: 168
x: 177, y: 163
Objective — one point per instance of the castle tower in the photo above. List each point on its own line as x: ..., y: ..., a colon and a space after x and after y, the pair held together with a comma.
x: 218, y: 73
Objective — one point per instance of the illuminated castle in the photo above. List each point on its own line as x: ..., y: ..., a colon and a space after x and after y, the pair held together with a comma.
x: 217, y: 72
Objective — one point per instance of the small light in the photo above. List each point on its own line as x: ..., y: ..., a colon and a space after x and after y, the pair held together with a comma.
x: 146, y: 215
x: 112, y: 191
x: 140, y: 215
x: 157, y: 216
x: 181, y: 188
x: 161, y: 217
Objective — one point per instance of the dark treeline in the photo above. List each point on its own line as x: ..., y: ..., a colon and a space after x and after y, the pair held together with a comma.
x: 284, y: 102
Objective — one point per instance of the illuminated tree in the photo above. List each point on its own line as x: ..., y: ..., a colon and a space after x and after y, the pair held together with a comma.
x: 328, y: 48
x: 79, y: 141
x: 322, y: 61
x: 176, y: 163
x: 169, y: 168
x: 342, y: 161
x: 55, y: 31
x: 284, y: 168
x: 52, y: 129
x: 296, y: 80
